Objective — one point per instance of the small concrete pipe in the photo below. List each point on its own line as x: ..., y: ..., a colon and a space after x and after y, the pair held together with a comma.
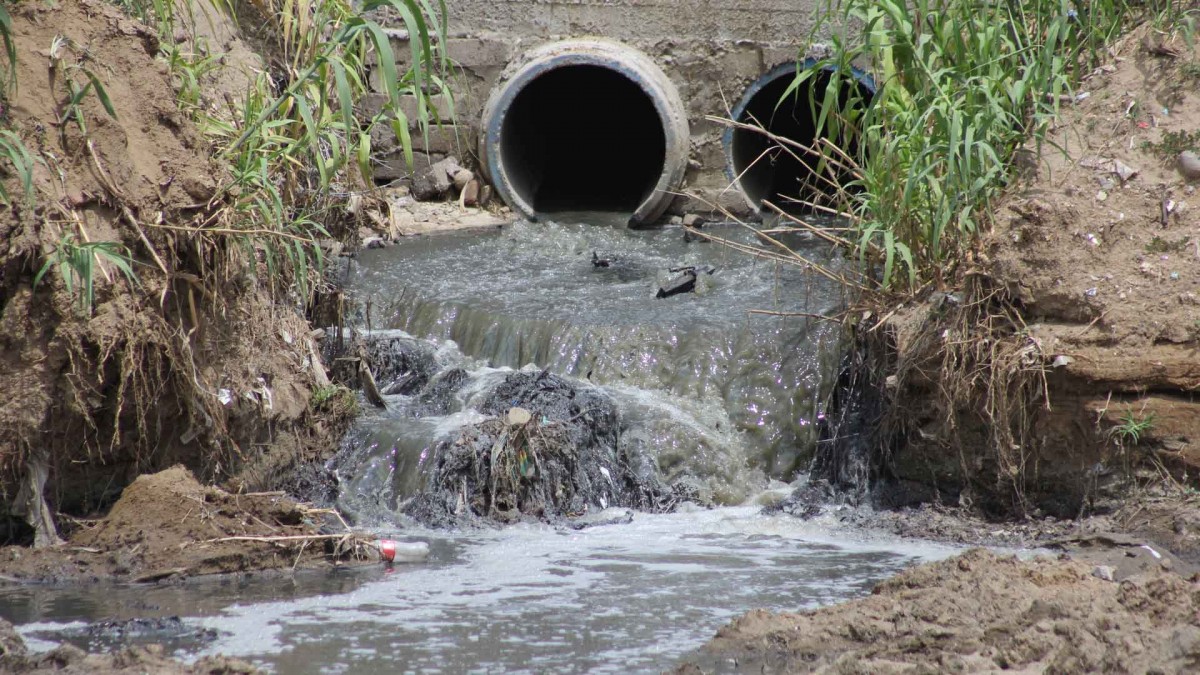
x: 585, y: 125
x: 761, y: 170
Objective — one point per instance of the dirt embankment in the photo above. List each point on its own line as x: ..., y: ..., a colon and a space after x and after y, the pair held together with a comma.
x: 167, y: 526
x: 196, y: 360
x: 1064, y: 370
x: 978, y: 612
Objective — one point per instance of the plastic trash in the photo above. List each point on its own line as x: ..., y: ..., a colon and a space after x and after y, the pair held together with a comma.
x: 391, y: 550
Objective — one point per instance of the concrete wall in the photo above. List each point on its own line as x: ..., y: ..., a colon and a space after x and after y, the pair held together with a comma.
x: 710, y: 50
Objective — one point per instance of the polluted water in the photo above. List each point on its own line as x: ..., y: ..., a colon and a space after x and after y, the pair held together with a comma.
x: 569, y: 465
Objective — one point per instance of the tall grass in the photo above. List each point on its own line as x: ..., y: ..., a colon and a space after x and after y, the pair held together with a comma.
x: 962, y: 85
x: 293, y: 138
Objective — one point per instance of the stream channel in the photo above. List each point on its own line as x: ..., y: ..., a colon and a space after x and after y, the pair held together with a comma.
x: 713, y: 408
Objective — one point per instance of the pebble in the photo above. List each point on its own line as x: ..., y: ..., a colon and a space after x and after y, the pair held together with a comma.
x: 1189, y: 165
x: 1104, y: 572
x: 462, y: 177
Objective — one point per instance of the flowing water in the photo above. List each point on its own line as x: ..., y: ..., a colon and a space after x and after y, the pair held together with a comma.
x: 706, y: 394
x: 529, y: 598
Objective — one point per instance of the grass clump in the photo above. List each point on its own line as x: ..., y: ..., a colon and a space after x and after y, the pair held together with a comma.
x: 293, y: 143
x: 961, y: 87
x: 78, y: 263
x: 1173, y: 143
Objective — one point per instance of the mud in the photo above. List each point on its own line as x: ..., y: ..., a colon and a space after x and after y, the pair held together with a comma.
x: 67, y: 659
x: 977, y: 612
x: 167, y: 527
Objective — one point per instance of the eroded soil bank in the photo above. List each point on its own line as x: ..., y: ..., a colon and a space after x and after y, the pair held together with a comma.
x: 1047, y: 401
x: 978, y: 612
x: 1063, y: 370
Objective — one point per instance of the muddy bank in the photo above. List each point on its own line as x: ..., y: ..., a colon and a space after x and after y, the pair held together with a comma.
x: 167, y: 526
x: 197, y: 357
x: 977, y: 612
x: 15, y: 658
x: 1059, y: 376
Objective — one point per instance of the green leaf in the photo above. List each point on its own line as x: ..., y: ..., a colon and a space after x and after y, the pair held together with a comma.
x: 101, y: 93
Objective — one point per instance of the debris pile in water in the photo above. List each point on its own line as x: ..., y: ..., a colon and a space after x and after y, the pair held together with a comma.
x: 551, y: 451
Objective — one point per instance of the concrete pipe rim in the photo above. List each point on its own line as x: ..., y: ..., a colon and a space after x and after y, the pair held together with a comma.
x: 611, y: 55
x: 789, y: 69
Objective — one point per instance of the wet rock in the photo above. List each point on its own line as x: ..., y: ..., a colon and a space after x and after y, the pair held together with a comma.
x: 116, y: 632
x: 685, y: 281
x: 550, y: 452
x: 693, y: 220
x: 436, y: 397
x: 400, y: 363
x: 605, y: 261
x: 682, y: 283
x: 612, y: 516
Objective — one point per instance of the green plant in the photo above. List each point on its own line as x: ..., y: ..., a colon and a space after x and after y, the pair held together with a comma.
x: 12, y: 149
x: 1173, y: 143
x: 294, y: 137
x: 334, y: 398
x: 1160, y: 245
x: 1190, y: 70
x: 1132, y: 428
x: 961, y: 86
x: 71, y: 73
x: 77, y: 263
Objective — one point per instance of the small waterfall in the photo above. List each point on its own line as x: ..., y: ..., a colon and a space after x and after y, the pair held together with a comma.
x: 709, y: 397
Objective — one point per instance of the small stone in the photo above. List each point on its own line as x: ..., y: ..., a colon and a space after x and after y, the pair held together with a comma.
x: 693, y: 220
x: 470, y: 193
x: 1061, y: 360
x: 518, y: 417
x: 1189, y: 164
x: 675, y: 220
x: 462, y: 177
x: 1101, y: 196
x: 1104, y: 572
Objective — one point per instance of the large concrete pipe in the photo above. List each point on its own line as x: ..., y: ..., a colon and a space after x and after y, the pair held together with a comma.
x: 585, y: 125
x: 757, y: 165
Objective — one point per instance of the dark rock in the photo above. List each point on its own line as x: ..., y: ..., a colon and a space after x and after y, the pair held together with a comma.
x: 400, y: 363
x: 565, y: 461
x: 682, y: 283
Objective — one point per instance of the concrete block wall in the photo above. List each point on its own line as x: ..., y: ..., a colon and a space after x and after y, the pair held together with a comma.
x: 711, y: 51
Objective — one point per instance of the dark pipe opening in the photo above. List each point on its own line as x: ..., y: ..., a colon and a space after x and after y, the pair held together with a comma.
x: 583, y: 138
x: 767, y: 171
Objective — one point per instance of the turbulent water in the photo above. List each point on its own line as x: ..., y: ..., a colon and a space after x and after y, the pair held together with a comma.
x: 708, y: 385
x: 699, y: 392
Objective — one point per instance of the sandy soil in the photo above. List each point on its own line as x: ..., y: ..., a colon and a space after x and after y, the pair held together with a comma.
x: 977, y: 612
x: 1101, y: 244
x: 167, y: 526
